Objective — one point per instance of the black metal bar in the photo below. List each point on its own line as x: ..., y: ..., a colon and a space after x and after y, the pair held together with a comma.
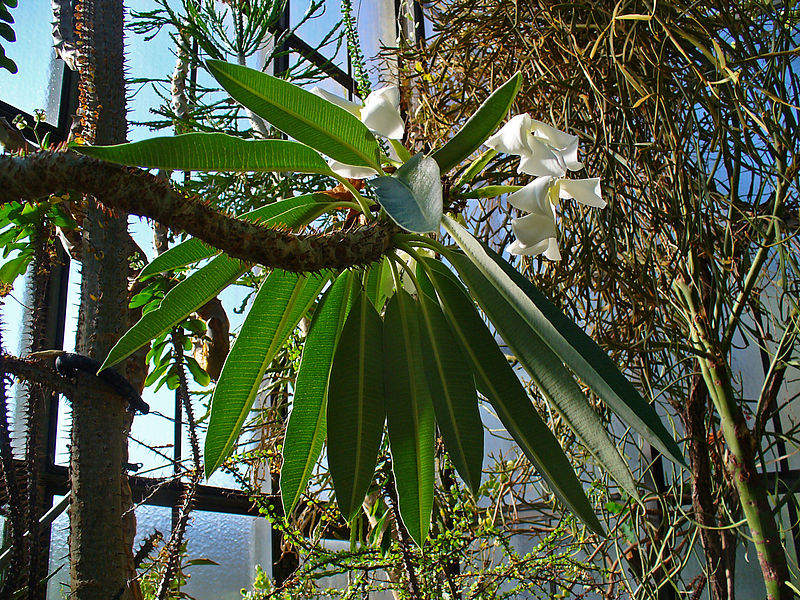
x: 318, y: 60
x: 157, y: 492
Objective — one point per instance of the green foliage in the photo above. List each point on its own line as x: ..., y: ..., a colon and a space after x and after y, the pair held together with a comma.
x: 20, y: 224
x: 300, y: 114
x: 356, y: 412
x: 409, y: 414
x: 7, y: 33
x: 212, y: 152
x: 306, y: 427
x: 281, y: 302
x: 387, y: 357
x: 479, y: 126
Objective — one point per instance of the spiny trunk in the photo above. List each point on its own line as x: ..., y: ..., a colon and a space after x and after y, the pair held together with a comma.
x: 101, y: 526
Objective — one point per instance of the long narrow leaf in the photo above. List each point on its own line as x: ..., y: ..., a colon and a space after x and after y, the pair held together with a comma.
x: 453, y: 390
x: 306, y: 427
x: 186, y: 297
x: 212, y: 152
x: 595, y: 365
x: 409, y: 415
x: 497, y: 381
x: 300, y: 114
x: 548, y: 373
x: 292, y: 213
x: 356, y: 406
x: 576, y: 350
x: 479, y: 126
x: 279, y: 305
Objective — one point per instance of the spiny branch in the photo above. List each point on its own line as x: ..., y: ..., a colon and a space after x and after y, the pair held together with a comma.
x: 137, y: 192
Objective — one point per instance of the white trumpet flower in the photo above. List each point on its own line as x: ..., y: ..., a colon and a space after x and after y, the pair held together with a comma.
x: 547, y: 153
x: 380, y: 113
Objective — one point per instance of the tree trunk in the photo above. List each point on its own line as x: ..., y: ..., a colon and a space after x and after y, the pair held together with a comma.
x: 101, y: 523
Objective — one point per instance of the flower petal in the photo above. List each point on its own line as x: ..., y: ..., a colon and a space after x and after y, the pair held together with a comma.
x: 520, y: 249
x: 555, y: 137
x: 534, y: 228
x: 534, y: 196
x: 552, y: 252
x: 570, y: 156
x: 542, y: 160
x: 350, y: 171
x: 381, y: 113
x: 351, y: 107
x: 514, y: 137
x: 585, y: 191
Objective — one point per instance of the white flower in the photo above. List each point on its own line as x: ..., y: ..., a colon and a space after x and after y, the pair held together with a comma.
x: 548, y: 153
x: 380, y: 113
x: 543, y: 150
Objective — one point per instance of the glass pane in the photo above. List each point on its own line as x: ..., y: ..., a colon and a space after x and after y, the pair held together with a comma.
x: 318, y: 27
x: 377, y: 28
x: 58, y: 585
x: 37, y: 85
x: 237, y: 544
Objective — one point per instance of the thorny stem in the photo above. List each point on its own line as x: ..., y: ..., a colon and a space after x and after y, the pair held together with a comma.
x: 740, y: 462
x: 136, y: 192
x: 404, y: 542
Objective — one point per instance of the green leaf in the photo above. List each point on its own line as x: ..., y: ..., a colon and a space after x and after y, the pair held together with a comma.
x: 7, y: 33
x: 409, y: 415
x: 412, y: 197
x: 355, y: 413
x: 181, y: 301
x: 475, y: 167
x: 479, y: 126
x: 292, y: 213
x: 497, y: 381
x: 301, y: 115
x: 453, y: 390
x: 596, y: 369
x: 306, y: 428
x: 548, y: 373
x: 565, y: 339
x: 280, y: 303
x: 13, y: 268
x: 212, y: 152
x: 199, y: 374
x: 379, y: 284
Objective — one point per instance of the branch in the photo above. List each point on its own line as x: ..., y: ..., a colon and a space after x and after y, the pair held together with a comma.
x: 137, y: 192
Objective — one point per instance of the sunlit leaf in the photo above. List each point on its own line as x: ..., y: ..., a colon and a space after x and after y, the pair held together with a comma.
x: 497, y: 381
x: 181, y: 301
x: 453, y: 390
x: 306, y: 427
x: 479, y: 126
x: 302, y: 115
x: 212, y: 152
x: 515, y: 312
x: 280, y: 303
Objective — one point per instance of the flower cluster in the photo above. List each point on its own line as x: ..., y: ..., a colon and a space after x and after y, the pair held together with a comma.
x: 380, y: 113
x: 548, y: 154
